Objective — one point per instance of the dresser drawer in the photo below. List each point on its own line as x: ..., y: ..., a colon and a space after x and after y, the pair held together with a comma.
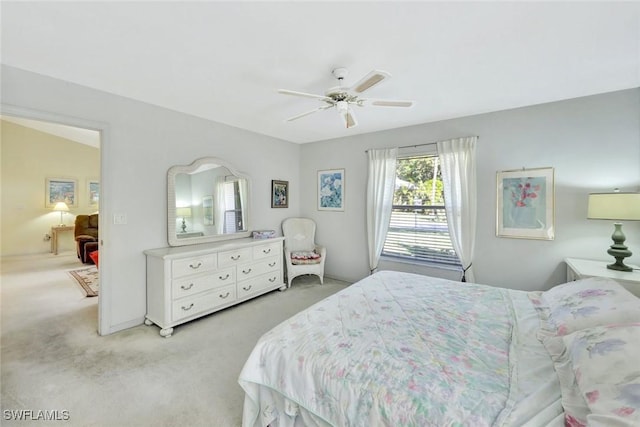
x: 201, y: 283
x: 259, y: 283
x: 267, y: 250
x: 190, y: 306
x: 193, y: 265
x: 248, y: 271
x: 234, y: 257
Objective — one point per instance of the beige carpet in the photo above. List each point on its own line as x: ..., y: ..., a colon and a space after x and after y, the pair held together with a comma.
x: 53, y: 359
x: 87, y: 278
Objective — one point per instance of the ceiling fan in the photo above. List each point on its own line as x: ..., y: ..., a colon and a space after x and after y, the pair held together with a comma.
x: 344, y: 98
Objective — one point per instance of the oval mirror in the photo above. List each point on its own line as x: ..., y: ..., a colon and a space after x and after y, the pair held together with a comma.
x: 207, y: 201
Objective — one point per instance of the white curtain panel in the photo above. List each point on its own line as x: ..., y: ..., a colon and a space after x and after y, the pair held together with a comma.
x: 380, y: 187
x: 219, y: 206
x: 243, y: 190
x: 458, y: 163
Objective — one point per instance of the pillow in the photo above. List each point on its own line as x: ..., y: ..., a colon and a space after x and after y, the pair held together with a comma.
x: 584, y: 304
x: 604, y: 361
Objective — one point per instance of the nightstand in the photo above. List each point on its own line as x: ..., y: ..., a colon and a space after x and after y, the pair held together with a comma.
x: 584, y: 268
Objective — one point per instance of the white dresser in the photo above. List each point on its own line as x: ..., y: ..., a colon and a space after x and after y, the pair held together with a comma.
x: 187, y: 282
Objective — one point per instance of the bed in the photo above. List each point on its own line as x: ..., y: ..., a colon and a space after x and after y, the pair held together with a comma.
x: 399, y: 349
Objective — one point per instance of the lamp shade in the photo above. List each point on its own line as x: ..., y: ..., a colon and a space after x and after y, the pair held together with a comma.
x: 61, y: 207
x: 184, y: 212
x: 614, y: 206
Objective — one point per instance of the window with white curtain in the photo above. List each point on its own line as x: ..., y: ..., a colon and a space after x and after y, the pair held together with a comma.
x: 418, y: 230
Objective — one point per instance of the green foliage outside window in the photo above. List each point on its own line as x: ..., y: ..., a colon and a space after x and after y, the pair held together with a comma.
x: 415, y: 185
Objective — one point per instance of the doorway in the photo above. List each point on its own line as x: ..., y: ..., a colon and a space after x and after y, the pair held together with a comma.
x: 82, y: 132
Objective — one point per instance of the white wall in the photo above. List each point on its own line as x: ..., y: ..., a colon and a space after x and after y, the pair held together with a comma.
x: 28, y: 158
x: 141, y: 143
x: 593, y: 143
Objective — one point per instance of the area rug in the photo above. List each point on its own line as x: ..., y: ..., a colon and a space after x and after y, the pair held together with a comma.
x: 87, y: 278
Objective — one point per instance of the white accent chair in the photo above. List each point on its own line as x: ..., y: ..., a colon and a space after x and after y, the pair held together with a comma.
x: 301, y: 253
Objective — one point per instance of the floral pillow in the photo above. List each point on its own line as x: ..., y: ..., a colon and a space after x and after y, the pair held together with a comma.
x: 584, y: 304
x: 604, y: 361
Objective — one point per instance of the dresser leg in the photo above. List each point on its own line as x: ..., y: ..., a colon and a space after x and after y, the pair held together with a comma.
x: 282, y: 288
x: 148, y: 322
x: 166, y: 332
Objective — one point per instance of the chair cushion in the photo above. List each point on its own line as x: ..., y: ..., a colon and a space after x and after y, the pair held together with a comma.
x: 305, y: 257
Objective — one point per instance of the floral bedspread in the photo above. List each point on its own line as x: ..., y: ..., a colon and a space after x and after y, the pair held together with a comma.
x: 395, y: 349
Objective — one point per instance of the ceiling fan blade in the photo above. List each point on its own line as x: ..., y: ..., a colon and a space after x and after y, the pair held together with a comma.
x: 370, y: 80
x: 307, y: 95
x: 391, y: 103
x: 308, y: 112
x: 349, y: 119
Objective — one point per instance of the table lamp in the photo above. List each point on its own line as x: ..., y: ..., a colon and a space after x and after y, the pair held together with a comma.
x: 184, y: 212
x: 62, y: 208
x: 616, y: 206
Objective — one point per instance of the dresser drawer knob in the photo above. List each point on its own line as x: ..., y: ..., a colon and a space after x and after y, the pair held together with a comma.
x: 224, y: 296
x: 186, y: 288
x: 187, y: 308
x: 273, y: 279
x: 266, y: 251
x: 246, y: 271
x: 246, y: 288
x: 197, y: 266
x: 223, y: 278
x: 272, y: 264
x: 235, y: 257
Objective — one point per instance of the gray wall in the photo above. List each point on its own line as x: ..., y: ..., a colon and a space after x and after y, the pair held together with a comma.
x: 593, y: 143
x: 142, y: 142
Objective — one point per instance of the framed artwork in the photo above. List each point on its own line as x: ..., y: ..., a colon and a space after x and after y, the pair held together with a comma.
x: 525, y: 204
x: 61, y: 190
x: 331, y: 187
x: 279, y: 194
x: 207, y: 210
x: 93, y: 193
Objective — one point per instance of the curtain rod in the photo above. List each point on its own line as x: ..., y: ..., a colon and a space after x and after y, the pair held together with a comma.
x: 415, y: 145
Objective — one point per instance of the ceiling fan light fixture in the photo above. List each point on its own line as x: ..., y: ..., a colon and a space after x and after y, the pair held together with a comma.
x: 343, y: 98
x: 349, y: 119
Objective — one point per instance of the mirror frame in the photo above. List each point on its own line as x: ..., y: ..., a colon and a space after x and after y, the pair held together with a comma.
x: 171, y: 204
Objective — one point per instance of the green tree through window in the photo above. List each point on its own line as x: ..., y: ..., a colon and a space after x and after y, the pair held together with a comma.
x: 418, y: 228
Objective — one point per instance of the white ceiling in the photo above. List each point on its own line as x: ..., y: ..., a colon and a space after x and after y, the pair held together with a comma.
x: 223, y: 61
x: 83, y: 136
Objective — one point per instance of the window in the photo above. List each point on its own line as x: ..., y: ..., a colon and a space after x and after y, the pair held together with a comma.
x: 418, y: 228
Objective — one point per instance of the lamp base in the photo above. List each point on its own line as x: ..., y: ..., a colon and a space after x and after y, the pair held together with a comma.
x: 619, y: 266
x: 618, y: 250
